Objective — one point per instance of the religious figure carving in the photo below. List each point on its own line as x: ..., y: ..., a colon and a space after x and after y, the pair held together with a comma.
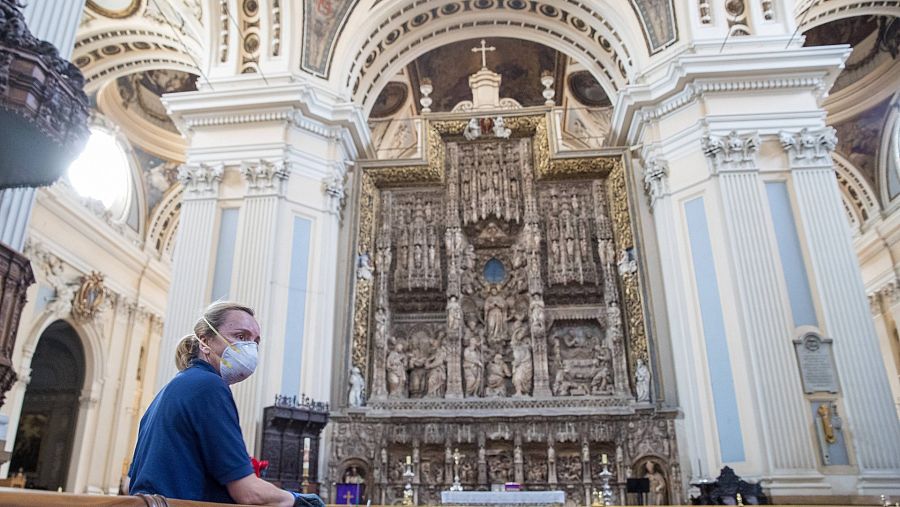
x: 364, y: 267
x: 523, y: 368
x: 497, y: 373
x: 495, y: 308
x: 454, y: 313
x: 657, y: 495
x: 352, y: 476
x: 473, y: 130
x: 396, y: 372
x: 473, y: 365
x: 537, y: 313
x: 642, y: 381
x: 602, y: 381
x: 357, y: 388
x: 436, y: 384
x: 500, y: 129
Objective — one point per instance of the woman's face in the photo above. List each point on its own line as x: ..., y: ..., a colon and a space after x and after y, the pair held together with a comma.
x: 237, y: 326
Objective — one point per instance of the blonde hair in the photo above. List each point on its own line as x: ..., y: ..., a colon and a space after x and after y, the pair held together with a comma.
x: 189, y: 346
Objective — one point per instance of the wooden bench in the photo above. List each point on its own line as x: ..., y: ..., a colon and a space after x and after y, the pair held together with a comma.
x: 35, y: 498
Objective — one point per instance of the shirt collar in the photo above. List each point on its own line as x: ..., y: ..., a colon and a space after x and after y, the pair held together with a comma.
x: 203, y: 365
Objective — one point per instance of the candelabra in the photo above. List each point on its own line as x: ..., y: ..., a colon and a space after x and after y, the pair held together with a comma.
x: 456, y: 485
x: 605, y: 490
x: 408, y: 488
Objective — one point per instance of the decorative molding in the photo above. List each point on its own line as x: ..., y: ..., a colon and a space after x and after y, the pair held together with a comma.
x: 732, y: 152
x: 696, y: 90
x: 809, y: 148
x: 334, y: 188
x: 224, y: 28
x: 705, y: 18
x: 92, y: 297
x: 264, y: 177
x: 200, y: 180
x: 250, y: 37
x: 414, y: 21
x: 275, y: 28
x: 656, y: 178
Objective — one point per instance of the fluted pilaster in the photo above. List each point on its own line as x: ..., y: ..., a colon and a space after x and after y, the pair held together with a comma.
x: 191, y: 263
x: 847, y: 319
x: 254, y: 273
x: 15, y: 213
x: 55, y: 21
x: 767, y: 327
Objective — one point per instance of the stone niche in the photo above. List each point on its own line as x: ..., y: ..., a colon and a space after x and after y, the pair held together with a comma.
x: 503, y: 319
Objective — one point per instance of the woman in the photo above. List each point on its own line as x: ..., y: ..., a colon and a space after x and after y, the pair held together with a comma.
x: 190, y: 444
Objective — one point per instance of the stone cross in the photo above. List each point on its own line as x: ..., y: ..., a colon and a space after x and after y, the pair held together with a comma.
x: 483, y: 50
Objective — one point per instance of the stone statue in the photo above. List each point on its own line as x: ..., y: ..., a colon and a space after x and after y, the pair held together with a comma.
x: 497, y: 373
x: 473, y: 130
x: 523, y: 367
x: 436, y: 365
x: 602, y: 381
x: 495, y: 316
x: 657, y: 495
x: 500, y: 129
x: 537, y: 313
x: 473, y: 366
x: 357, y: 388
x: 642, y: 381
x: 396, y: 372
x: 454, y: 313
x: 352, y: 476
x: 364, y: 267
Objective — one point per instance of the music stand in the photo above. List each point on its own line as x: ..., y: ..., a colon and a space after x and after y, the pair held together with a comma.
x: 640, y: 486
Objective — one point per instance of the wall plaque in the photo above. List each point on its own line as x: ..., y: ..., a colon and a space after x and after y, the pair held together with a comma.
x: 816, y: 364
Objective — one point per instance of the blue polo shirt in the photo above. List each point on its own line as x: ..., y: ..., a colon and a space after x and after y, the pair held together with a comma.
x: 189, y: 443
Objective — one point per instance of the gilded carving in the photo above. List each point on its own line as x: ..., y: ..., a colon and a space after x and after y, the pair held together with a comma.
x: 504, y: 283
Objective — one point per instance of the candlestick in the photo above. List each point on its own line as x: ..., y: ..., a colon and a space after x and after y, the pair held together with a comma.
x: 409, y: 460
x: 604, y: 459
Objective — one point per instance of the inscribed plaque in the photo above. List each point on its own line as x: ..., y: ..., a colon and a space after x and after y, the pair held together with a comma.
x: 816, y: 364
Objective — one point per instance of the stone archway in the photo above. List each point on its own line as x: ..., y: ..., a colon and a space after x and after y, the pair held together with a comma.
x: 46, y: 431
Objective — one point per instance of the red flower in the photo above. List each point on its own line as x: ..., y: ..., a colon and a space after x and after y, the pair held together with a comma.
x: 258, y: 466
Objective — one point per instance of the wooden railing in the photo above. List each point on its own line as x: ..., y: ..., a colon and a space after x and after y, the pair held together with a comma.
x: 32, y: 498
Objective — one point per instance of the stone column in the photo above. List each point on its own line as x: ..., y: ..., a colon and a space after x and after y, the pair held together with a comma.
x: 192, y: 261
x: 870, y: 416
x: 56, y: 22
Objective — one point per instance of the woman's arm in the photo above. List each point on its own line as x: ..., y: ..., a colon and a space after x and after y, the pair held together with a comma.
x: 251, y: 490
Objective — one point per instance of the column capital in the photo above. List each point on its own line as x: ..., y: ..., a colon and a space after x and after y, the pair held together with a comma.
x: 200, y: 180
x: 809, y: 148
x: 731, y: 152
x: 264, y: 176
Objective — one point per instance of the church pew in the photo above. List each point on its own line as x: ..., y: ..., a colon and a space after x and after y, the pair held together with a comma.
x: 32, y: 498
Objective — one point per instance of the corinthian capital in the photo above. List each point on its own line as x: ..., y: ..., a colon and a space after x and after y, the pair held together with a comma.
x: 200, y: 179
x: 264, y: 176
x: 809, y: 147
x: 731, y: 152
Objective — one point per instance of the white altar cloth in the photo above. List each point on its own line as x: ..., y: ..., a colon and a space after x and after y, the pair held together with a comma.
x: 517, y: 498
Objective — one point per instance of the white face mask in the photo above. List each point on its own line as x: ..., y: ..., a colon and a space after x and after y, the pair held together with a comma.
x: 239, y: 359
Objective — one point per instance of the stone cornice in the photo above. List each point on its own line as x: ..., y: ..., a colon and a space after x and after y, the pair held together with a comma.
x: 304, y: 103
x: 813, y: 68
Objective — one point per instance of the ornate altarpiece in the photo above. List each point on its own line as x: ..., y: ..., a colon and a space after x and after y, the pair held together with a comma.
x: 504, y: 318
